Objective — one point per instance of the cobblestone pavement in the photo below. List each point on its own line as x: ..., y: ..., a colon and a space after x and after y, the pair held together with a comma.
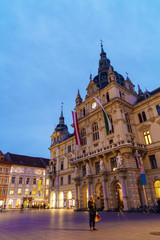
x: 69, y: 225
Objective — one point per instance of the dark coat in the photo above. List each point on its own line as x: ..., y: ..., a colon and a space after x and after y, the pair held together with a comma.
x: 92, y: 208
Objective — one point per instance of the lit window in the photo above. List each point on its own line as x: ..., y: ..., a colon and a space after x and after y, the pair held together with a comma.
x: 147, y: 137
x: 11, y: 191
x: 47, y: 182
x: 19, y: 191
x: 26, y: 191
x: 47, y: 192
x: 113, y: 163
x: 62, y: 151
x: 157, y: 188
x: 69, y: 195
x: 33, y: 191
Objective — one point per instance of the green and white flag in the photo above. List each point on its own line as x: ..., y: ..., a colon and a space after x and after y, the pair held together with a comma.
x: 106, y: 119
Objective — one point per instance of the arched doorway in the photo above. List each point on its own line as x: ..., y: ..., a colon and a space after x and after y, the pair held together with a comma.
x: 85, y: 197
x: 61, y: 200
x: 53, y: 200
x: 157, y: 188
x: 117, y: 195
x: 99, y: 196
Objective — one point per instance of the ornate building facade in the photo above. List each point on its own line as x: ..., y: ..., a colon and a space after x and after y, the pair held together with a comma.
x: 106, y: 165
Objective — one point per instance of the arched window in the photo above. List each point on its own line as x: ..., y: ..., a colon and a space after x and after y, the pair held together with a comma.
x: 140, y: 117
x: 107, y: 96
x: 83, y: 136
x: 158, y: 109
x: 95, y: 132
x: 128, y: 122
x: 144, y: 116
x: 111, y: 131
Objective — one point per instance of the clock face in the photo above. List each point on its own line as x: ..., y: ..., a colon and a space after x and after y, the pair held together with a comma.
x: 94, y: 104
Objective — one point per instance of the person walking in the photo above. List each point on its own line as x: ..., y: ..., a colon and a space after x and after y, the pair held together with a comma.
x: 92, y: 213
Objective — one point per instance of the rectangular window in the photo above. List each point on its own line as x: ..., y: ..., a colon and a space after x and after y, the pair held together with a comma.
x: 69, y: 148
x: 20, y: 180
x: 19, y: 191
x: 7, y: 170
x: 113, y: 163
x: 0, y: 169
x: 61, y: 180
x: 153, y: 161
x: 62, y: 152
x: 61, y: 165
x: 147, y: 137
x: 34, y: 180
x: 84, y: 170
x: 0, y: 180
x: 26, y: 191
x: 27, y: 181
x: 11, y: 192
x: 4, y: 191
x: 5, y: 181
x: 69, y: 179
x: 33, y: 191
x: 13, y: 180
x: 97, y: 167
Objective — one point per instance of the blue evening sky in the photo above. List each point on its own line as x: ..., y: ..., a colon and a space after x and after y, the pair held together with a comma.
x: 48, y: 48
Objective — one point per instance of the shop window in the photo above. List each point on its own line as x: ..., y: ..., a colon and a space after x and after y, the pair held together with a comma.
x: 47, y: 182
x: 157, y: 188
x: 152, y: 161
x: 19, y: 191
x: 97, y: 167
x: 83, y: 170
x: 158, y: 109
x: 95, y: 132
x: 26, y: 191
x: 147, y: 137
x: 13, y: 180
x: 69, y: 179
x: 113, y: 163
x: 47, y: 192
x: 11, y: 192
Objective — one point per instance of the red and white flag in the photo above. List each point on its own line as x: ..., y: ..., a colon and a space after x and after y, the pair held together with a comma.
x: 76, y: 128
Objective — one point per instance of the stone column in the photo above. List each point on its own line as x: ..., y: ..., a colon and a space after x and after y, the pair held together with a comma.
x: 125, y: 201
x: 105, y: 195
x: 76, y: 197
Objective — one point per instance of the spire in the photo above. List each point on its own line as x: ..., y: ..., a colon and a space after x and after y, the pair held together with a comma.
x: 61, y: 119
x: 104, y: 62
x: 78, y: 99
x: 140, y: 93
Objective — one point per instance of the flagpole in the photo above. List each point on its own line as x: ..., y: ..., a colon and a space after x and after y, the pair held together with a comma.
x: 145, y: 195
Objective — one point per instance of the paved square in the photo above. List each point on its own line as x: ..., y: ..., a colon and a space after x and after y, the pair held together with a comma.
x: 67, y: 224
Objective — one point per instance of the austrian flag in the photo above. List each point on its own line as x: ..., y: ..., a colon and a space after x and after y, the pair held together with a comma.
x: 76, y: 128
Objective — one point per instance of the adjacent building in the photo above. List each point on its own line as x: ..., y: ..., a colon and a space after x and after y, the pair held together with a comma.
x: 107, y: 164
x: 28, y: 181
x: 5, y: 166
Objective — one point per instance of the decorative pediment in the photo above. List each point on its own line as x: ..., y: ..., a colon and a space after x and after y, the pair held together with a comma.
x: 91, y: 89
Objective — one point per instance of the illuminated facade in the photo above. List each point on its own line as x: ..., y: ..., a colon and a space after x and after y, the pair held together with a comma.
x: 28, y: 181
x: 105, y: 165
